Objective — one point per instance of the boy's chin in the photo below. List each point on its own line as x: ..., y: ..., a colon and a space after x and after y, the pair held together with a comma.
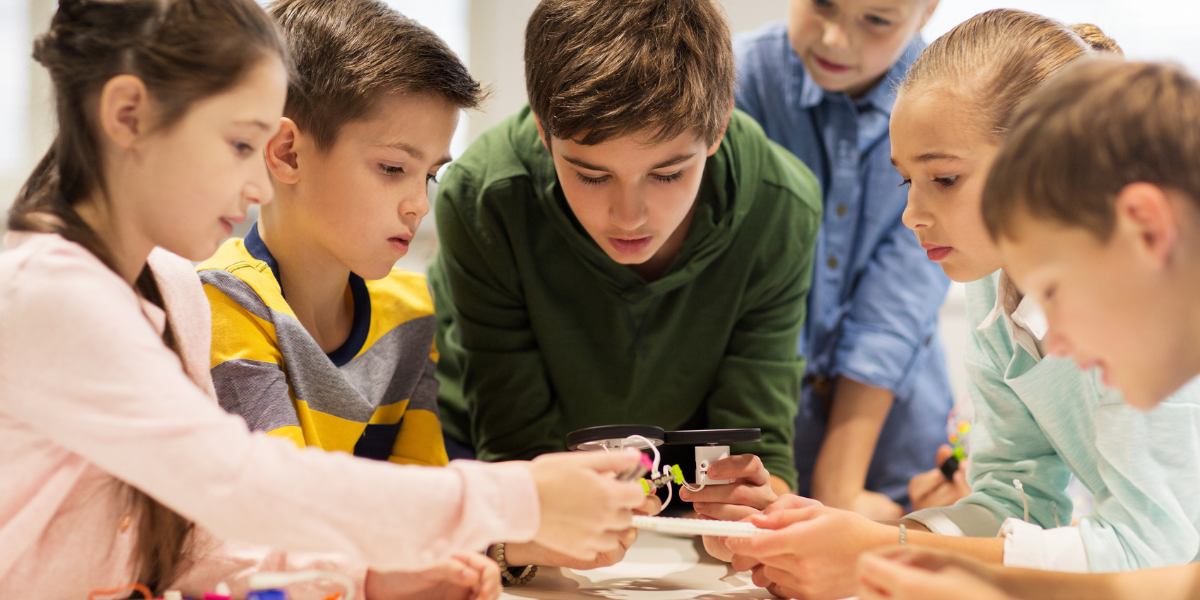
x: 375, y: 270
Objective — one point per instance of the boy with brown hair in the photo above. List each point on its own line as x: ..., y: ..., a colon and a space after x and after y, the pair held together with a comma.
x: 625, y: 250
x: 316, y: 337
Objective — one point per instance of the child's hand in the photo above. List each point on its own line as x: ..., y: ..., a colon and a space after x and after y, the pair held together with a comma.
x: 931, y: 490
x: 906, y: 573
x: 531, y: 553
x: 465, y: 576
x: 813, y: 552
x: 748, y: 494
x: 715, y: 546
x: 585, y: 511
x: 876, y: 506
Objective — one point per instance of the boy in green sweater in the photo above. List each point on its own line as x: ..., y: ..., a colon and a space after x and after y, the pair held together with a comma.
x: 628, y: 249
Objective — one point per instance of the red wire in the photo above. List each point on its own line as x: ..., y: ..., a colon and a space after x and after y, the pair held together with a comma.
x: 146, y: 593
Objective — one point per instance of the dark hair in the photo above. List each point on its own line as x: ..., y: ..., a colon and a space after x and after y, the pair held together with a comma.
x: 1092, y: 130
x: 999, y: 57
x: 349, y: 52
x: 184, y: 51
x: 606, y: 68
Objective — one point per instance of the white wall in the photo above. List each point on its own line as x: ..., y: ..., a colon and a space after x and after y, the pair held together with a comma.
x: 497, y: 49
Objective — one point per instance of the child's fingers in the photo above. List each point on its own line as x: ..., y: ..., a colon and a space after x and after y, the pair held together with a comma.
x: 489, y: 586
x: 880, y: 573
x: 782, y: 518
x: 651, y: 506
x: 790, y: 502
x: 944, y: 452
x: 746, y: 467
x: 764, y: 545
x: 458, y: 571
x: 923, y: 484
x: 628, y: 537
x: 741, y: 562
x: 606, y: 462
x: 724, y: 512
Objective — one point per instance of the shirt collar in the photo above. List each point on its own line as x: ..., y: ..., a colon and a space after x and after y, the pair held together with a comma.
x: 1023, y: 317
x: 881, y: 97
x: 255, y: 246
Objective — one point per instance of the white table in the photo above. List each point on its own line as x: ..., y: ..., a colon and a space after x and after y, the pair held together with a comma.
x: 657, y: 567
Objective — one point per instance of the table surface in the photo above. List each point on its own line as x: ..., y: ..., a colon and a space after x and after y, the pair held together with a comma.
x: 657, y: 567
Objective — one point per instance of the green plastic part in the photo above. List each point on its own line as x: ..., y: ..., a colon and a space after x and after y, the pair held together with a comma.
x: 678, y: 474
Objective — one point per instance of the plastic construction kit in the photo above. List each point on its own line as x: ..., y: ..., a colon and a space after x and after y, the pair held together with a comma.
x: 711, y: 446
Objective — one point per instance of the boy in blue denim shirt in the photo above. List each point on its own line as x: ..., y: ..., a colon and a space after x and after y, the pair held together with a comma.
x: 876, y: 395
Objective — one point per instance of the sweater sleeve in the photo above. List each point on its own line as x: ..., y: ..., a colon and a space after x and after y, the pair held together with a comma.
x: 1147, y: 517
x: 116, y: 396
x: 1007, y: 444
x: 490, y: 366
x: 758, y: 381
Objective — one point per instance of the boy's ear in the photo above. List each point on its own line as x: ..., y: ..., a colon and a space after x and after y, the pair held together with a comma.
x: 282, y: 159
x: 541, y: 133
x: 712, y: 149
x: 1146, y: 211
x: 124, y: 109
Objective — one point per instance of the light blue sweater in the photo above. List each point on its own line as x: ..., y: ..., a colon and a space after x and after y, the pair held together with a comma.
x: 1041, y: 421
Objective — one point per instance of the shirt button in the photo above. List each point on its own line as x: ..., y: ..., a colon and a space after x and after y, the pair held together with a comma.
x: 832, y: 262
x: 842, y: 210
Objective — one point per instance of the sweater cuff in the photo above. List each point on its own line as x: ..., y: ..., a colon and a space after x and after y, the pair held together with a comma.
x: 507, y: 496
x: 1030, y: 547
x: 962, y: 520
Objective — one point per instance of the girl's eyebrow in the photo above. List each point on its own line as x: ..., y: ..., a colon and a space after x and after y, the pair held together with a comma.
x: 929, y: 157
x: 255, y: 123
x: 932, y: 156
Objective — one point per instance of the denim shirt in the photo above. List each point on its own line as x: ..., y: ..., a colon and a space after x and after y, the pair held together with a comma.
x: 872, y: 311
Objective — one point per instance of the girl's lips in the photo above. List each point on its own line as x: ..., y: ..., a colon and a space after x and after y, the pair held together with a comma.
x: 936, y: 253
x: 830, y: 66
x: 634, y: 246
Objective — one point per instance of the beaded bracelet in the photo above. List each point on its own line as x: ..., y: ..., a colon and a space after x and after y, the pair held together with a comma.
x: 506, y: 572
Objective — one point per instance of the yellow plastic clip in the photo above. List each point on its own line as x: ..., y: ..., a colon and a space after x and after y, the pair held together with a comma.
x: 677, y: 474
x: 645, y: 486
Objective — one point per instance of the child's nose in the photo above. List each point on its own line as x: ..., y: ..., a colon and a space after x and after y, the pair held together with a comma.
x: 416, y: 203
x: 914, y: 215
x: 835, y: 36
x: 628, y: 213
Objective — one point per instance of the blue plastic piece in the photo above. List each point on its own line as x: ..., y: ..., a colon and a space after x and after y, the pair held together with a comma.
x: 267, y: 595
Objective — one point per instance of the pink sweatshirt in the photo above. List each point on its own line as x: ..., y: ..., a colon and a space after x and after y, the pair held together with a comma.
x: 90, y: 397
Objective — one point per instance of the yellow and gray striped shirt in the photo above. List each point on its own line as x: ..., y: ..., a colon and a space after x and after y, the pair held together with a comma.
x: 375, y: 396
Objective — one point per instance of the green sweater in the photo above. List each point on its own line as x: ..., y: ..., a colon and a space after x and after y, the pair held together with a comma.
x: 540, y: 333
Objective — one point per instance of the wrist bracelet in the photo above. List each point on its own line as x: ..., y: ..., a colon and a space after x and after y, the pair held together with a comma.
x: 902, y: 532
x: 510, y: 576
